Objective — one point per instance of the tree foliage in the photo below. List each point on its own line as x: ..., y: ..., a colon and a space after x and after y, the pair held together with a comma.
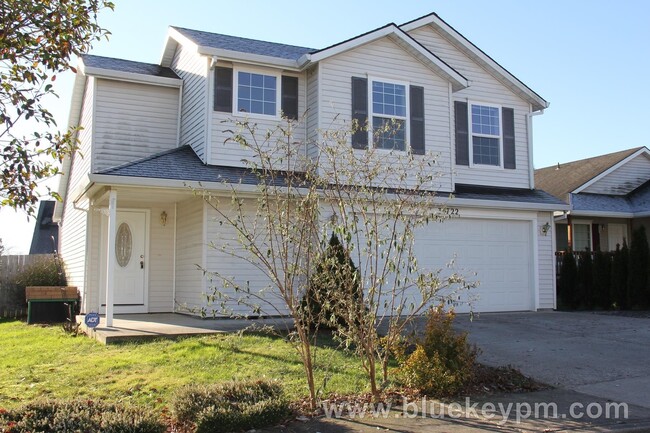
x: 374, y: 201
x: 37, y: 41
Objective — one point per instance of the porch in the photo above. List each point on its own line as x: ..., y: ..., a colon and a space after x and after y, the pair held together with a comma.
x: 142, y: 327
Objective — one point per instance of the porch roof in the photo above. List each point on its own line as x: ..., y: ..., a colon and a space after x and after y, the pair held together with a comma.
x: 183, y: 165
x: 636, y: 203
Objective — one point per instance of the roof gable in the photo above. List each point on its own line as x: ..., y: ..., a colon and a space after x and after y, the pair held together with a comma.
x: 404, y: 41
x: 480, y: 57
x: 294, y: 57
x: 569, y: 177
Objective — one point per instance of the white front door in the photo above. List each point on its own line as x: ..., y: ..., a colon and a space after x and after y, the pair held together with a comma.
x: 130, y: 277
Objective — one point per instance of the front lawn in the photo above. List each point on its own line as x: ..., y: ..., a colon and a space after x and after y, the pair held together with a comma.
x: 40, y: 361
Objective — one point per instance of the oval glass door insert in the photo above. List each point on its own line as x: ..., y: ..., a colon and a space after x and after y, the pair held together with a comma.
x: 123, y: 245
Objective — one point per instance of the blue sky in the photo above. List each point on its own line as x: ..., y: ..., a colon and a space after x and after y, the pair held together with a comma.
x: 589, y: 59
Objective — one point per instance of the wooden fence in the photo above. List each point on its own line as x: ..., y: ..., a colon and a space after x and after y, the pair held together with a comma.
x: 9, y: 267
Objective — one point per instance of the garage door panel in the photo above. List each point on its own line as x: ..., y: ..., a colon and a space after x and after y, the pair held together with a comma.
x: 499, y: 251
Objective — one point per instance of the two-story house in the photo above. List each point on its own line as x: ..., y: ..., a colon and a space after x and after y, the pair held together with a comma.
x: 150, y: 130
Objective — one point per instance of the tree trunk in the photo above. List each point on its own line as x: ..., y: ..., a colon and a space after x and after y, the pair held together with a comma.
x: 309, y: 369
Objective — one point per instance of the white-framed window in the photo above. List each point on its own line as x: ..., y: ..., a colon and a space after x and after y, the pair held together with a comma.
x: 256, y: 93
x: 581, y: 236
x: 486, y: 135
x: 388, y: 101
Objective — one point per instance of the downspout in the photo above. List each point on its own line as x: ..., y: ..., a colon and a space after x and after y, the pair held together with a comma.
x: 529, y: 126
x: 174, y: 258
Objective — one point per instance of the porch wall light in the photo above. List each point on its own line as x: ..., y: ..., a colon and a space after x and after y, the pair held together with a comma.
x: 545, y: 228
x: 163, y: 218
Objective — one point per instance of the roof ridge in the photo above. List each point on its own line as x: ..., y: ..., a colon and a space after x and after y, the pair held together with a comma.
x: 145, y: 159
x: 242, y: 37
x: 628, y: 152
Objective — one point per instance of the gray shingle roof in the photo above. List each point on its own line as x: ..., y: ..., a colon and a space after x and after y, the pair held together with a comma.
x: 520, y: 195
x: 636, y: 201
x: 244, y: 45
x: 46, y: 232
x: 570, y: 175
x: 128, y: 66
x: 183, y: 164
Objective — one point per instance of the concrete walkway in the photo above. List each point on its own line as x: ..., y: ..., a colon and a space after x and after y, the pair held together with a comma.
x: 600, y: 355
x: 131, y: 327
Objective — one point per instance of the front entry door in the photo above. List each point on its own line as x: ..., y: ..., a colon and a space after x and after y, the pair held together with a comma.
x: 130, y: 262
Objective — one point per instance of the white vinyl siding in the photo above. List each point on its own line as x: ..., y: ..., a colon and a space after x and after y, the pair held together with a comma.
x: 624, y: 179
x: 243, y: 272
x: 132, y: 121
x: 190, y: 243
x: 193, y: 69
x: 72, y: 243
x: 546, y: 262
x: 312, y: 112
x: 161, y: 259
x: 385, y: 59
x: 484, y: 88
x: 231, y: 153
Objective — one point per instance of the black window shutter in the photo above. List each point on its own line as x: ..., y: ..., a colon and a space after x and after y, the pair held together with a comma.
x: 416, y: 106
x: 290, y: 97
x: 462, y: 134
x: 508, y: 115
x: 360, y: 112
x: 223, y: 89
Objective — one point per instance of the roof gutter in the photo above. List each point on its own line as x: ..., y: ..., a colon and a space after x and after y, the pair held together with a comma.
x: 130, y: 76
x: 497, y: 204
x: 256, y: 59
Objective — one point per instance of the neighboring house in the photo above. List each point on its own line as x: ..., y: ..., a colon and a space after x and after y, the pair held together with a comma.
x: 149, y: 130
x: 608, y: 197
x: 45, y: 239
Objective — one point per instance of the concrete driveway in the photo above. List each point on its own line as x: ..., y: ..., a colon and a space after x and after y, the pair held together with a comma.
x: 600, y: 355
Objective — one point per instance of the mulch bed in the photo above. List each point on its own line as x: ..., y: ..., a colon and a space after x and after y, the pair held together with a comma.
x: 486, y: 381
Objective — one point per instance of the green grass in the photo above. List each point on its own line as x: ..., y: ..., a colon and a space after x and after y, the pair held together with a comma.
x: 37, y: 362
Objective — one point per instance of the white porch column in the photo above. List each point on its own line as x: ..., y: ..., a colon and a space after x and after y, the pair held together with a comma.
x: 110, y: 262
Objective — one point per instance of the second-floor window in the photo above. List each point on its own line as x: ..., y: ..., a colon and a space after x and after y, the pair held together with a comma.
x: 257, y: 93
x: 389, y: 115
x: 486, y: 134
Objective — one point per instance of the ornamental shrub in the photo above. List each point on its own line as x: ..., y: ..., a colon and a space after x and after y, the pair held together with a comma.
x: 637, y: 282
x: 620, y: 265
x: 567, y: 284
x: 334, y: 291
x: 602, y: 280
x: 78, y: 416
x: 231, y: 406
x: 443, y: 361
x: 584, y: 292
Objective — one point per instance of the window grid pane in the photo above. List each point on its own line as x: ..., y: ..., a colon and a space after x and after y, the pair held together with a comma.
x: 256, y: 93
x: 485, y: 120
x: 486, y: 150
x: 388, y: 99
x: 389, y: 134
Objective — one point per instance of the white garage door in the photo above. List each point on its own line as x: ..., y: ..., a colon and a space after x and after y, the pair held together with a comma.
x: 499, y: 251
